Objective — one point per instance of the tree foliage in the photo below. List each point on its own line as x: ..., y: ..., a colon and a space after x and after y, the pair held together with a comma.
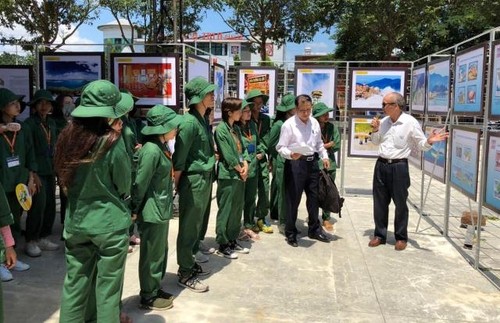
x: 377, y: 29
x: 279, y: 21
x: 43, y: 19
x: 155, y: 19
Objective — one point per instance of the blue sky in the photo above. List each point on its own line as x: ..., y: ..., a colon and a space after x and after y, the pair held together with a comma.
x: 212, y: 22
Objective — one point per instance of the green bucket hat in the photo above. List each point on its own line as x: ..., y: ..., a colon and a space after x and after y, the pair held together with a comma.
x: 41, y: 95
x: 102, y: 99
x: 136, y: 98
x: 161, y: 120
x: 287, y: 103
x: 252, y: 94
x: 320, y: 109
x: 7, y: 96
x: 197, y: 89
x: 245, y: 103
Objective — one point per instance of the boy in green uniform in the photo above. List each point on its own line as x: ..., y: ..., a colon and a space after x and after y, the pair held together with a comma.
x: 263, y: 125
x: 194, y: 162
x: 232, y: 174
x: 152, y: 204
x: 331, y: 140
x: 285, y: 110
x: 42, y: 131
x: 94, y: 169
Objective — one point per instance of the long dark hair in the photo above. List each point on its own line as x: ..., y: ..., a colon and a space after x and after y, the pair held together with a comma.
x: 57, y: 107
x: 83, y: 141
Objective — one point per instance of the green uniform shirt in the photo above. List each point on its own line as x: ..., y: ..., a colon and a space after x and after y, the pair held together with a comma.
x: 43, y: 136
x: 330, y: 133
x: 15, y: 166
x: 272, y: 139
x: 194, y: 145
x: 250, y: 142
x: 129, y: 134
x: 263, y: 126
x: 152, y: 187
x: 61, y: 123
x: 96, y: 197
x: 228, y: 139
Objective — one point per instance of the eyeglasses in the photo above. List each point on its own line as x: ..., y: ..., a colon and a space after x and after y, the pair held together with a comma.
x: 387, y: 103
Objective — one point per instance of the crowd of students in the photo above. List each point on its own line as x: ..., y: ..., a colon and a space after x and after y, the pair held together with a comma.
x: 114, y: 171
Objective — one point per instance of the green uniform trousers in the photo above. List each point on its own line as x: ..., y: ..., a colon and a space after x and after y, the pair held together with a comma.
x: 332, y: 173
x: 278, y: 202
x: 206, y: 218
x: 153, y: 257
x: 16, y: 210
x: 194, y: 198
x: 262, y: 208
x: 95, y: 265
x: 230, y: 199
x: 42, y: 214
x: 249, y: 203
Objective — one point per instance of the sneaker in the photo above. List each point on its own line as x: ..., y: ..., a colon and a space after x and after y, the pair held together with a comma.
x: 5, y: 274
x: 157, y: 303
x: 21, y: 266
x: 200, y: 257
x: 236, y: 247
x: 225, y: 251
x: 32, y: 249
x: 206, y: 249
x: 198, y: 270
x: 47, y: 245
x: 264, y: 227
x: 134, y: 240
x: 192, y: 283
x: 163, y: 294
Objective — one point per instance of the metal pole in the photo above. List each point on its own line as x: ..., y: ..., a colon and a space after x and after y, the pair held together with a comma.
x: 344, y: 132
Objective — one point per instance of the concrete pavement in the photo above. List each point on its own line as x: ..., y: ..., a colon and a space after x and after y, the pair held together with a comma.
x: 342, y: 281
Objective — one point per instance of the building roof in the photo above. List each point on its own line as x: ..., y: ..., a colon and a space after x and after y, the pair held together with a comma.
x: 114, y: 23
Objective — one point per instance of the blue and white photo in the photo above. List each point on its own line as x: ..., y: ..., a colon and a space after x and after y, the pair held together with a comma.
x: 438, y: 87
x: 435, y: 158
x: 417, y: 93
x: 369, y: 86
x: 470, y: 81
x: 319, y: 83
x: 465, y: 160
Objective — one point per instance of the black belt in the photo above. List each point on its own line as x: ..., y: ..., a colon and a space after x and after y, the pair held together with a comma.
x: 309, y: 158
x: 392, y: 161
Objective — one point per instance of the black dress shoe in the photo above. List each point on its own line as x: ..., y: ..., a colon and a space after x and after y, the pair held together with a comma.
x: 319, y: 236
x: 292, y: 242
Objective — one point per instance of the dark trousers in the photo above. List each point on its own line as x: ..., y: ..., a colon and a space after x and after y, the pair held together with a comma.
x: 300, y: 176
x: 391, y: 181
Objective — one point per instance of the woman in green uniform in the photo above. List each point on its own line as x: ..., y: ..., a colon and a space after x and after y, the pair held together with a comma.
x: 250, y: 143
x: 194, y: 162
x: 17, y: 155
x: 232, y: 174
x: 42, y: 131
x: 263, y: 125
x: 94, y: 169
x: 152, y: 199
x: 331, y: 140
x: 285, y: 110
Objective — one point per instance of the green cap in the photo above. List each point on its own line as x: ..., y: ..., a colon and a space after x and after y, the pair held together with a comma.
x: 252, y: 94
x: 287, y: 103
x: 7, y: 96
x: 161, y: 120
x: 41, y: 95
x: 102, y: 99
x: 197, y: 89
x: 320, y: 109
x: 245, y: 103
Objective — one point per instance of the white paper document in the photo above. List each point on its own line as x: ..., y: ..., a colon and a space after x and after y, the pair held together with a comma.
x: 302, y: 149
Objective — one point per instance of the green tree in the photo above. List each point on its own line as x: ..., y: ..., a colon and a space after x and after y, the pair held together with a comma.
x: 279, y: 21
x: 378, y: 29
x: 42, y: 19
x: 155, y: 19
